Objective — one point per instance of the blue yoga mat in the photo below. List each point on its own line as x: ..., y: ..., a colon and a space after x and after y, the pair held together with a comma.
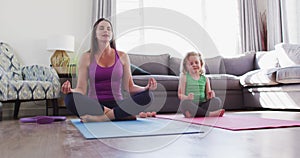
x: 133, y: 128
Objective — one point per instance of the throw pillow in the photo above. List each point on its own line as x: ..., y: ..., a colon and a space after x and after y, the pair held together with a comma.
x: 155, y: 64
x: 212, y: 65
x: 138, y: 71
x: 266, y: 60
x: 174, y: 66
x: 288, y: 54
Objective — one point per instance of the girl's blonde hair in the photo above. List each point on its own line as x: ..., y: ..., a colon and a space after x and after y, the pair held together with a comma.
x: 186, y: 58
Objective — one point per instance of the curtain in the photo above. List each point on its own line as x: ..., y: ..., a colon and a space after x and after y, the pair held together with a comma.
x: 291, y: 15
x: 250, y: 27
x: 102, y: 9
x: 275, y: 24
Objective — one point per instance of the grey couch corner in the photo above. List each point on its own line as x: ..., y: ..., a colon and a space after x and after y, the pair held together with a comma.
x: 253, y: 80
x: 159, y: 67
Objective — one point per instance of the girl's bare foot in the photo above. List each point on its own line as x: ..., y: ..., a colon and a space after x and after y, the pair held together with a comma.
x: 217, y: 113
x: 147, y: 114
x: 187, y: 114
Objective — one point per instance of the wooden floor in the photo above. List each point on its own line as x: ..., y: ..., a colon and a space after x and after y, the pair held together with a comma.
x: 62, y: 140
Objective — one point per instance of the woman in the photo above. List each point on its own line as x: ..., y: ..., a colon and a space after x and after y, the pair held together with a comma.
x: 105, y: 70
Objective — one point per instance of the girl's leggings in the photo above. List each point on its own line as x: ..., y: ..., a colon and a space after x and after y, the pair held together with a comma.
x: 80, y: 104
x: 201, y: 109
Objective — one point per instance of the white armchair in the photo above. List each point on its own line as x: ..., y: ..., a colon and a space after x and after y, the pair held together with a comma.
x: 26, y: 83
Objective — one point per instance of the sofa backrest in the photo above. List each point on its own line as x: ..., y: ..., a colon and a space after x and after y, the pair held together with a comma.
x: 213, y: 65
x: 163, y: 64
x: 9, y: 63
x: 155, y: 64
x: 238, y: 65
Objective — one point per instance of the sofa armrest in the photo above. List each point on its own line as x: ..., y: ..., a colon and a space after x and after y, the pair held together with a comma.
x: 287, y: 75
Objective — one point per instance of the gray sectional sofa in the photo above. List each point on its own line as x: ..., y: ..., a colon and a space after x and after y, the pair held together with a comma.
x: 268, y: 80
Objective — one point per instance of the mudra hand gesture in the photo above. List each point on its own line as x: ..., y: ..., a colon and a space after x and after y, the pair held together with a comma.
x: 66, y: 87
x: 152, y: 84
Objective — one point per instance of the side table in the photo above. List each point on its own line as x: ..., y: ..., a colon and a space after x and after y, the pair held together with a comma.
x: 62, y: 78
x: 65, y: 74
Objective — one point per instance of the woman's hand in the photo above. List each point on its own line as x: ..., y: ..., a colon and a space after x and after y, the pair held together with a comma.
x: 152, y: 84
x: 66, y: 87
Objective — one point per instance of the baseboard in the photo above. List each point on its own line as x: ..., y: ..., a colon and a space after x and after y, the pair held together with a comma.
x: 29, y: 110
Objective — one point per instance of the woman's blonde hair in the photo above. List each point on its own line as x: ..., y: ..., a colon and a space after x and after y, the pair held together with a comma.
x: 186, y: 58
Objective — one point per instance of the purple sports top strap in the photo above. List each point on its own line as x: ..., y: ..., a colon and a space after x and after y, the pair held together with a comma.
x: 106, y: 82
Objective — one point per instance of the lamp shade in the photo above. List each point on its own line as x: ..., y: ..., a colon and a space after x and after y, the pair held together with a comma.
x: 62, y: 42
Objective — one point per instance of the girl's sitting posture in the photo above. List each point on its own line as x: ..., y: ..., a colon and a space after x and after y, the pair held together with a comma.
x: 194, y: 91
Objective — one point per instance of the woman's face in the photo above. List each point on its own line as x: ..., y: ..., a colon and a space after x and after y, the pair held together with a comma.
x: 104, y: 31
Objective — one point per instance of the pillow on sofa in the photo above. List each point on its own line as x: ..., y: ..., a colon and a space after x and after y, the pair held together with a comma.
x: 239, y: 65
x: 154, y: 64
x: 212, y: 65
x: 288, y: 54
x: 288, y: 74
x: 260, y: 77
x: 138, y: 71
x: 266, y: 60
x: 174, y: 66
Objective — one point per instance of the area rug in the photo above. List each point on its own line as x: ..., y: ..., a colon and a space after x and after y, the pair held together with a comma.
x: 235, y: 123
x: 133, y: 128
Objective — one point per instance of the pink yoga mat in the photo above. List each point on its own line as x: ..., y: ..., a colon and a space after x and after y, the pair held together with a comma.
x: 235, y: 123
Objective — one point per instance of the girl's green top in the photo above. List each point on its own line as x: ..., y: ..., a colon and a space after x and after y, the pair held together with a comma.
x: 197, y: 87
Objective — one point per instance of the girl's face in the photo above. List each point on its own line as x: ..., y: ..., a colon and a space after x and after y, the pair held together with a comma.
x: 104, y: 31
x: 193, y: 64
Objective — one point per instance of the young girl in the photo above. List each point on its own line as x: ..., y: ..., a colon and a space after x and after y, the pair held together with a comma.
x: 194, y: 91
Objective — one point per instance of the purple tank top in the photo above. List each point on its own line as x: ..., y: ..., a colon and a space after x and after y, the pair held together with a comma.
x: 106, y: 82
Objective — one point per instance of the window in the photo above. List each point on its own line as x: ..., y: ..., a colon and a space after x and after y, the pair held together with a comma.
x: 218, y: 18
x: 292, y: 20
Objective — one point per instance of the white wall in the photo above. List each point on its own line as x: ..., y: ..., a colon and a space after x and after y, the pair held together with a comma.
x: 26, y: 25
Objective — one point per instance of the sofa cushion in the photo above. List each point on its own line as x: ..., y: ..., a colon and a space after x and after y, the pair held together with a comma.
x: 155, y: 64
x: 212, y: 65
x: 138, y: 71
x: 260, y: 77
x: 288, y: 74
x: 174, y: 66
x: 239, y: 65
x: 288, y: 54
x: 224, y: 82
x: 266, y: 60
x: 164, y: 82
